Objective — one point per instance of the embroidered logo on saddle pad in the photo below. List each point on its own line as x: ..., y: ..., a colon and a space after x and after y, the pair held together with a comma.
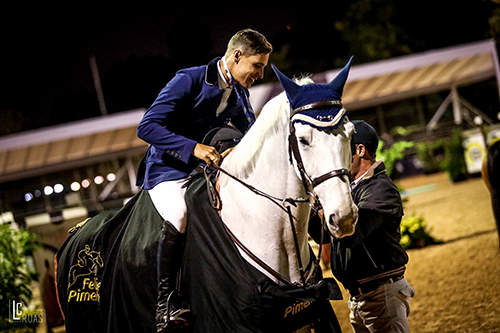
x: 83, y: 283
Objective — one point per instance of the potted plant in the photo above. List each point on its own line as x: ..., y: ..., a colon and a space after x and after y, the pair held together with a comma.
x: 16, y: 278
x: 414, y: 233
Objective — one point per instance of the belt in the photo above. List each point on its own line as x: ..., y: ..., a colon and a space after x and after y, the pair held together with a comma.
x: 367, y: 287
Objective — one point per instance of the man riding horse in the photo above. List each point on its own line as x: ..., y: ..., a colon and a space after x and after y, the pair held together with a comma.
x: 195, y: 101
x: 297, y: 152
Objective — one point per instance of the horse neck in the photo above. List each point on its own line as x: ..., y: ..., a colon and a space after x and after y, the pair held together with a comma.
x: 261, y: 225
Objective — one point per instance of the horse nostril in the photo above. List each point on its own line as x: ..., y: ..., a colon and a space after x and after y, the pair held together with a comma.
x: 332, y: 224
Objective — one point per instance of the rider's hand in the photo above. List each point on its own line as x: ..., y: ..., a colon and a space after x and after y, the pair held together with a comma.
x: 226, y: 152
x: 207, y: 153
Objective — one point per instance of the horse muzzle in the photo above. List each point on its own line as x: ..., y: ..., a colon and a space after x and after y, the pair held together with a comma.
x: 343, y: 224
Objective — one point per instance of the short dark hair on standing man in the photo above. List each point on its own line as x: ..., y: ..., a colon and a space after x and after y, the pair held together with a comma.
x: 366, y: 135
x: 250, y: 42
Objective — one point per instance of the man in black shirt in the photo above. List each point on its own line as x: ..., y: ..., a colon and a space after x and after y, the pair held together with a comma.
x: 371, y: 262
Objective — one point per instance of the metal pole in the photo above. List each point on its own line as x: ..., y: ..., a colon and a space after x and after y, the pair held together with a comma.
x: 442, y: 108
x: 97, y: 85
x: 131, y: 175
x: 455, y: 101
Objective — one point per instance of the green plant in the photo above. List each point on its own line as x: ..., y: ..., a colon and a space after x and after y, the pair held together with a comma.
x: 444, y: 155
x: 454, y: 161
x: 15, y: 275
x: 392, y: 154
x: 414, y: 233
x: 431, y: 155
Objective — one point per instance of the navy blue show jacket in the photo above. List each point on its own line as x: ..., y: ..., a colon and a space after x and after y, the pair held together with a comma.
x: 180, y: 117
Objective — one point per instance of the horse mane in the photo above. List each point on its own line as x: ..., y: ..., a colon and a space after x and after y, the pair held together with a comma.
x: 273, y: 117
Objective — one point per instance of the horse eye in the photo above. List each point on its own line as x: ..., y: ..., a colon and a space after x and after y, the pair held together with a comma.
x: 304, y: 141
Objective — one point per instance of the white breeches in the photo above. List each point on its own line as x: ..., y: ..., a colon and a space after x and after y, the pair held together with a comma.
x: 168, y: 199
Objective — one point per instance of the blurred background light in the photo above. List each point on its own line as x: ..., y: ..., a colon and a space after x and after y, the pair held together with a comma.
x: 58, y: 188
x: 48, y: 190
x: 75, y: 186
x: 85, y: 183
x: 99, y: 180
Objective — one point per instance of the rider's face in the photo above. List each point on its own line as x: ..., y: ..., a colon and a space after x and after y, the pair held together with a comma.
x: 247, y: 69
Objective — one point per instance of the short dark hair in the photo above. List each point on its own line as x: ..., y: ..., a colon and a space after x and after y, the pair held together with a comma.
x: 366, y: 135
x: 250, y: 42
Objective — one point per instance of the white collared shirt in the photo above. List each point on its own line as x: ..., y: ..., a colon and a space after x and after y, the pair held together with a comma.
x: 226, y: 87
x: 357, y: 180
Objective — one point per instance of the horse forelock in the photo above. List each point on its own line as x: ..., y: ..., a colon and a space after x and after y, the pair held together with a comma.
x: 274, y: 116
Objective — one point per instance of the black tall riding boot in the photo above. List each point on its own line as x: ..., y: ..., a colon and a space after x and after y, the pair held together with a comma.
x: 172, y: 311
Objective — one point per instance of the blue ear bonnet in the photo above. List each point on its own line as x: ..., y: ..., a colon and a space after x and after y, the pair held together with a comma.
x: 317, y: 105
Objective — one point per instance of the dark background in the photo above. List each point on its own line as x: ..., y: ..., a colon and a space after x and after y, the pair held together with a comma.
x: 46, y: 78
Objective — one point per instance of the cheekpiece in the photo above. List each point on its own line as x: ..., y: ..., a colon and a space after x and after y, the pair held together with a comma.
x: 315, y: 104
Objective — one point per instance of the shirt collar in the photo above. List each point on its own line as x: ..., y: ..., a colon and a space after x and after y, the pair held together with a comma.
x: 376, y: 168
x: 223, y: 84
x: 356, y: 181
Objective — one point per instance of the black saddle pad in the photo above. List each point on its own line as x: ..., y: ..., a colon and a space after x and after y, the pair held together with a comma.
x: 229, y: 295
x: 114, y: 255
x: 106, y: 277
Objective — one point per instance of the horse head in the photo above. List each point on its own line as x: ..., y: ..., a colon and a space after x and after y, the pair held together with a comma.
x: 320, y: 132
x: 96, y: 259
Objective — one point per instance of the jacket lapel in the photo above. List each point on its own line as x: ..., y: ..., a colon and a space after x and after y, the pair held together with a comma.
x: 212, y: 81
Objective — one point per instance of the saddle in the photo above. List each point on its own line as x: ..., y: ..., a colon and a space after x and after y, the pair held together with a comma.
x: 223, y: 138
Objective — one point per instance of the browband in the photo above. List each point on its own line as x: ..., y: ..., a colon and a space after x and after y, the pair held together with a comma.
x: 320, y: 121
x: 317, y: 105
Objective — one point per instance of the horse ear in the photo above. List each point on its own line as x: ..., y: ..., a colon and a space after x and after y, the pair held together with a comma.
x: 339, y: 81
x: 291, y: 88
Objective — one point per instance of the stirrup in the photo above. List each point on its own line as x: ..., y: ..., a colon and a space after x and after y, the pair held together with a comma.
x: 169, y: 327
x: 173, y: 322
x: 173, y: 319
x: 180, y: 316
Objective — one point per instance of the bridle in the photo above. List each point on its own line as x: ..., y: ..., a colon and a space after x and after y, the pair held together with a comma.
x: 285, y: 204
x: 308, y: 183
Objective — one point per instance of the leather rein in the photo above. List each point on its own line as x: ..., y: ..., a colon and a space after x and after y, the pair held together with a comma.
x: 285, y: 204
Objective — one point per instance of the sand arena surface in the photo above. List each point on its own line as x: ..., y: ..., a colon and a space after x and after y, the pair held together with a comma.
x: 457, y: 283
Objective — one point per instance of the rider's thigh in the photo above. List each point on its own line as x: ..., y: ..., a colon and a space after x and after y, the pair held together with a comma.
x: 168, y: 199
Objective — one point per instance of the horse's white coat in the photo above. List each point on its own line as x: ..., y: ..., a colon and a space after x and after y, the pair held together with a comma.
x: 261, y: 159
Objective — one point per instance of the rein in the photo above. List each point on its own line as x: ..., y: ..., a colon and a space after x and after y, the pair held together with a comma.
x: 284, y: 204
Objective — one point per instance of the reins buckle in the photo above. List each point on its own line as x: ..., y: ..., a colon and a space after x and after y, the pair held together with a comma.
x: 289, y: 201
